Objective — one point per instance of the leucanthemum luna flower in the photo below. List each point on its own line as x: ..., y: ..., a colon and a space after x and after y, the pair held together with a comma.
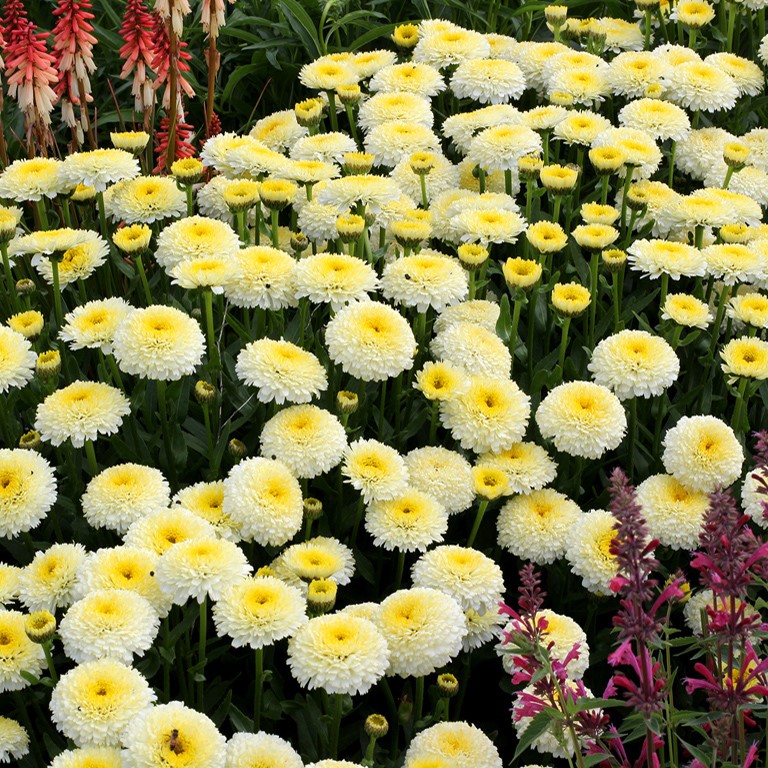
x: 589, y: 550
x: 320, y: 558
x: 165, y: 528
x: 98, y: 168
x: 124, y: 568
x: 370, y: 341
x: 261, y: 750
x: 81, y: 411
x: 258, y: 611
x: 17, y: 360
x: 77, y: 262
x: 395, y: 105
x: 408, y: 522
x: 582, y: 419
x: 473, y: 579
x: 158, y: 342
x: 425, y: 279
x: 194, y: 237
x: 673, y: 512
x: 660, y: 119
x: 424, y: 629
x: 441, y: 380
x: 749, y: 309
x: 282, y: 371
x: 17, y: 652
x: 412, y: 77
x: 206, y: 500
x: 395, y: 140
x: 528, y: 467
x: 488, y: 81
x: 656, y: 257
x: 264, y: 498
x: 702, y: 452
x: 634, y: 364
x: 308, y: 439
x: 536, y: 526
x: 265, y: 278
x: 445, y: 47
x: 375, y: 469
x: 211, y: 272
x: 201, y: 567
x: 96, y: 702
x: 498, y: 148
x: 491, y: 415
x: 455, y: 744
x: 701, y: 86
x: 31, y: 180
x: 161, y: 735
x: 93, y: 324
x: 14, y: 740
x: 687, y: 310
x: 443, y: 474
x: 50, y: 580
x: 334, y: 278
x: 147, y: 199
x: 472, y: 348
x: 109, y: 624
x: 339, y: 653
x: 27, y: 491
x: 122, y: 494
x: 89, y: 757
x: 745, y: 357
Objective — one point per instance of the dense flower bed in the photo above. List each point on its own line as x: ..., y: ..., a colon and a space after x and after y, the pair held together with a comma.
x: 416, y: 425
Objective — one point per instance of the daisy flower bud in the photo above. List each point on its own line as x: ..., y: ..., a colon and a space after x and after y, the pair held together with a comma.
x: 405, y: 35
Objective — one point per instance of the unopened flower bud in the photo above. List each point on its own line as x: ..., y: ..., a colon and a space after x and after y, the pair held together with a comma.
x: 406, y: 35
x: 529, y: 167
x: 48, y: 364
x: 25, y: 286
x: 130, y: 141
x: 614, y: 259
x: 422, y: 162
x: 240, y: 195
x: 40, y: 626
x: 309, y: 112
x: 349, y: 94
x: 29, y: 324
x: 735, y: 154
x: 321, y: 596
x: 313, y: 508
x: 472, y: 255
x: 559, y: 179
x: 133, y: 238
x: 83, y: 193
x: 265, y: 570
x: 277, y: 194
x: 376, y: 726
x: 561, y: 99
x: 521, y: 273
x: 606, y: 160
x: 299, y: 242
x: 205, y: 393
x: 448, y: 685
x: 346, y: 401
x: 188, y: 170
x: 31, y: 441
x: 637, y: 198
x: 405, y: 710
x: 358, y: 162
x: 556, y: 15
x: 349, y: 227
x: 236, y: 448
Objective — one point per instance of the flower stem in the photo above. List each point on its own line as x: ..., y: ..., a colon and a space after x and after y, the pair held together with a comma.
x: 202, y: 641
x: 274, y: 229
x: 723, y: 300
x: 419, y: 699
x: 513, y: 337
x: 56, y: 293
x: 213, y: 350
x: 672, y: 153
x: 49, y: 661
x: 741, y: 404
x: 332, y: 110
x: 143, y: 278
x: 90, y: 454
x: 9, y: 282
x: 400, y: 568
x: 594, y: 263
x: 478, y: 520
x: 563, y: 345
x: 630, y: 169
x: 338, y: 703
x: 258, y: 682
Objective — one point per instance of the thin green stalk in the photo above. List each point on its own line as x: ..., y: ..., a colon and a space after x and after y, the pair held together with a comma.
x: 672, y: 154
x: 43, y: 214
x: 9, y: 281
x: 481, y: 508
x: 201, y: 649
x: 258, y: 682
x: 56, y: 290
x: 630, y: 169
x: 728, y: 175
x: 423, y: 185
x: 433, y: 421
x: 90, y: 454
x: 382, y: 405
x: 531, y: 326
x: 114, y: 370
x: 400, y: 568
x: 49, y: 661
x: 358, y: 518
x: 632, y: 438
x: 418, y: 707
x: 481, y: 179
x: 605, y: 181
x: 722, y: 301
x: 564, y: 344
x: 647, y: 44
x: 102, y: 216
x: 664, y: 289
x: 692, y: 38
x: 190, y: 200
x: 518, y: 305
x: 508, y: 181
x: 558, y: 201
x: 143, y: 277
x: 338, y: 708
x: 332, y: 110
x: 594, y: 263
x: 616, y: 302
x: 213, y: 350
x: 741, y: 404
x: 733, y: 12
x: 275, y: 232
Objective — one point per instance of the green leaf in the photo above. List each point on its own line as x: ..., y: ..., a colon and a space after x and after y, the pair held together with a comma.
x: 301, y: 23
x: 538, y: 725
x: 504, y: 323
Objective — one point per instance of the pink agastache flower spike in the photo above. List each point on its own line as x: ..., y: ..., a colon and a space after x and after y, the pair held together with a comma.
x: 73, y: 47
x: 31, y: 74
x: 137, y: 52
